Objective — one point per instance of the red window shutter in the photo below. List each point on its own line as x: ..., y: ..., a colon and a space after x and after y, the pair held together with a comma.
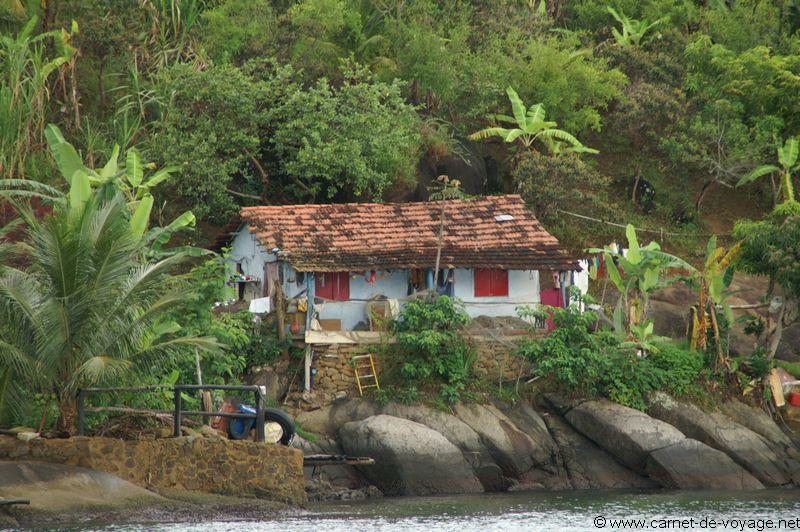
x: 343, y: 287
x: 332, y: 285
x: 483, y: 282
x: 324, y: 283
x: 499, y: 282
x: 491, y: 282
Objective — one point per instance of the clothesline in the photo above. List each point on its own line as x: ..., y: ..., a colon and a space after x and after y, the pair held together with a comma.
x: 640, y: 229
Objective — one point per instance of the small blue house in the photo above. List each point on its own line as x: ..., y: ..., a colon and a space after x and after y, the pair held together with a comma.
x: 341, y: 265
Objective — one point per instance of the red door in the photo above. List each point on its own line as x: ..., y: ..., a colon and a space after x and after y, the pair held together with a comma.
x: 552, y: 298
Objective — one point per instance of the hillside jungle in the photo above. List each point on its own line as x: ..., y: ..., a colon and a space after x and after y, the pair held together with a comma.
x: 131, y: 131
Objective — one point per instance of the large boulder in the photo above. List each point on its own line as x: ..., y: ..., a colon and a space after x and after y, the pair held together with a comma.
x: 459, y: 434
x: 789, y: 348
x: 328, y: 419
x: 276, y: 383
x: 410, y: 458
x: 588, y: 466
x: 759, y: 422
x: 627, y: 434
x: 57, y: 487
x: 531, y: 423
x: 690, y: 464
x: 716, y: 430
x: 668, y: 308
x: 456, y: 431
x: 513, y: 450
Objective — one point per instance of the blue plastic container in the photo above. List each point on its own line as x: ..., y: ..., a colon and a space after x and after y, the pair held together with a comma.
x: 239, y: 428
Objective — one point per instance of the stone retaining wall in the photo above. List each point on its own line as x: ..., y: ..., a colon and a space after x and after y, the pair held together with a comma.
x: 335, y: 376
x: 192, y: 463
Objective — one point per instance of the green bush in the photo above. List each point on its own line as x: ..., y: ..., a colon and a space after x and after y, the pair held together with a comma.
x: 585, y: 363
x: 575, y: 357
x: 431, y: 347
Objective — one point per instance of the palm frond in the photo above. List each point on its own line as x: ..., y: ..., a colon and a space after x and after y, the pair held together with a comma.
x: 490, y: 132
x: 756, y: 173
x: 517, y: 108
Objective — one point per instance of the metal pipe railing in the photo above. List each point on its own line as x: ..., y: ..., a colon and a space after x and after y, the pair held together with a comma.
x: 177, y: 412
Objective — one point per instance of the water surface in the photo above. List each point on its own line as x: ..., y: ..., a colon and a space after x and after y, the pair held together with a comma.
x: 572, y: 511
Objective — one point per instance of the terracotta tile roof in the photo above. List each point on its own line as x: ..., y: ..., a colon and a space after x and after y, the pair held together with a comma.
x: 364, y: 236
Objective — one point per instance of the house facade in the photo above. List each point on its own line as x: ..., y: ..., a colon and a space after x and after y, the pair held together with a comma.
x: 348, y: 266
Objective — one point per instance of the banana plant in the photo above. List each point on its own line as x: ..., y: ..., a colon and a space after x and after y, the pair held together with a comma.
x: 530, y: 126
x: 636, y: 275
x: 129, y: 178
x: 632, y: 30
x: 787, y: 161
x: 642, y: 338
x: 712, y: 283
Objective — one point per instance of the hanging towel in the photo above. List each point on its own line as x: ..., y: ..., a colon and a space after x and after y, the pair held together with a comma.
x: 260, y: 305
x: 394, y: 307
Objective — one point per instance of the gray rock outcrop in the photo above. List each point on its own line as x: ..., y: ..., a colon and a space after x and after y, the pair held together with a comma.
x: 513, y: 450
x: 588, y: 466
x: 689, y: 464
x: 716, y: 430
x: 627, y: 434
x: 411, y: 459
x: 562, y: 444
x: 56, y: 487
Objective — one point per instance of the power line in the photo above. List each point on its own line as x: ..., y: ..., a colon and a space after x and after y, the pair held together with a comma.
x: 640, y: 229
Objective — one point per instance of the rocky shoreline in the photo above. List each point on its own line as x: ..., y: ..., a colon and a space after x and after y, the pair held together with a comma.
x: 557, y: 445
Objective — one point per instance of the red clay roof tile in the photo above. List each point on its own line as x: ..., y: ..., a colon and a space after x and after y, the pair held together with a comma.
x: 365, y: 236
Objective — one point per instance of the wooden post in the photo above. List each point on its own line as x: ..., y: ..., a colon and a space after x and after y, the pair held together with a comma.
x: 307, y: 368
x: 260, y: 415
x: 177, y: 414
x: 280, y: 313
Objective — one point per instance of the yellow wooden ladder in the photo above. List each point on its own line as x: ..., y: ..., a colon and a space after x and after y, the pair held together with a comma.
x: 364, y: 367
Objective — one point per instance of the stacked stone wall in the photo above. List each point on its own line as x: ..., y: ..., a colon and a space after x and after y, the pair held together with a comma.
x: 191, y: 463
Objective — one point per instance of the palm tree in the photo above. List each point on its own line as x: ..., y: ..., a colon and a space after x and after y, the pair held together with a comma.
x: 87, y: 307
x: 531, y: 126
x: 787, y: 159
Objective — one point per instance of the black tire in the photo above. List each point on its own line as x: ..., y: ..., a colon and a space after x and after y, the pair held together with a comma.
x: 284, y: 420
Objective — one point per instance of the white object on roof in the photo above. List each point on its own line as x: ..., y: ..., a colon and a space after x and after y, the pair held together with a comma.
x: 503, y: 218
x: 261, y: 305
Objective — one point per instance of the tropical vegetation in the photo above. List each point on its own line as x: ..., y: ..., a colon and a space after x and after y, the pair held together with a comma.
x: 132, y: 130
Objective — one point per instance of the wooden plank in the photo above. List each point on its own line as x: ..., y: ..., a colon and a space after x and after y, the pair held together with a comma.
x: 347, y: 337
x: 9, y: 502
x: 777, y: 389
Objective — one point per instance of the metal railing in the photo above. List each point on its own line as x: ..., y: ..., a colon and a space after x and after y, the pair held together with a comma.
x: 177, y: 412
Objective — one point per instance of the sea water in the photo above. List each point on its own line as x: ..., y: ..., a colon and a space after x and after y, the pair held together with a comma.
x: 567, y: 511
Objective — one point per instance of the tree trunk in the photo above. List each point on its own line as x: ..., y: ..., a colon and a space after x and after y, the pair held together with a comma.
x: 778, y: 332
x: 438, y: 249
x: 701, y: 196
x: 68, y: 413
x: 717, y: 339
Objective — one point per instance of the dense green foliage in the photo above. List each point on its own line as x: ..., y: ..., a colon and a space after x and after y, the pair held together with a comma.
x: 340, y: 100
x: 242, y: 102
x: 586, y: 363
x: 433, y: 351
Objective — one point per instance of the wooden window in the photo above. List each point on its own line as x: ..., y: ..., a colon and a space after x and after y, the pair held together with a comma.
x: 491, y: 282
x: 332, y: 285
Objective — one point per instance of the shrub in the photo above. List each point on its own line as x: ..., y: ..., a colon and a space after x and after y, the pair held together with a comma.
x: 432, y: 350
x: 571, y: 354
x: 586, y: 363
